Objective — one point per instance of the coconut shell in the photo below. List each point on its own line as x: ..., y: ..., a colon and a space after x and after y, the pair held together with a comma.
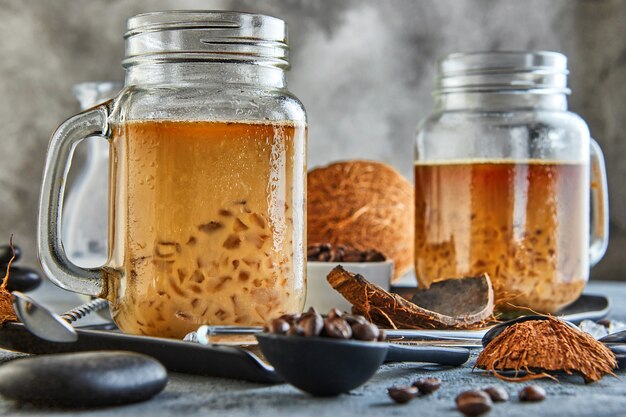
x: 364, y: 204
x: 472, y: 298
x: 541, y: 347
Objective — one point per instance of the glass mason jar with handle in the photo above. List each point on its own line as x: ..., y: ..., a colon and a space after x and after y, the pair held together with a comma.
x: 208, y: 176
x: 502, y: 181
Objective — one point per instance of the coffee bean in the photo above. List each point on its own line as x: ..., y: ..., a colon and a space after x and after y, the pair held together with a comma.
x: 295, y: 330
x: 334, y: 312
x: 336, y: 255
x: 402, y: 394
x: 473, y: 403
x: 6, y: 253
x: 336, y: 325
x: 313, y: 251
x: 333, y: 256
x: 337, y: 328
x: 365, y: 331
x: 497, y: 394
x: 318, y: 252
x: 532, y: 393
x: 355, y: 318
x: 311, y: 310
x: 311, y: 324
x: 351, y: 254
x: 323, y: 257
x: 427, y: 385
x: 278, y: 326
x: 373, y: 255
x: 342, y: 253
x: 290, y: 318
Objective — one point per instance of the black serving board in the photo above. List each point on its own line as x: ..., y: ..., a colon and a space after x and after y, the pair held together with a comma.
x: 587, y: 307
x: 175, y: 355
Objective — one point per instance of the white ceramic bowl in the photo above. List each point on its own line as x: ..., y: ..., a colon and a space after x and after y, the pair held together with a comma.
x: 323, y: 297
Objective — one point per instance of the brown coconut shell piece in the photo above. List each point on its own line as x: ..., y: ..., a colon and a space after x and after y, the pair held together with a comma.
x: 461, y: 303
x: 363, y: 204
x: 539, y: 347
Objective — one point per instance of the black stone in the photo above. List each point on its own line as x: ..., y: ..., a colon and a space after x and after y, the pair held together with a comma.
x: 6, y: 254
x: 21, y: 279
x: 83, y: 379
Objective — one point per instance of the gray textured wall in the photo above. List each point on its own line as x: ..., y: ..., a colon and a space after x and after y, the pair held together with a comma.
x: 364, y: 70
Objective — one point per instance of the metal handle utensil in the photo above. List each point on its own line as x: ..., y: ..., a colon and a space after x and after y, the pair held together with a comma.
x: 83, y: 310
x: 48, y: 325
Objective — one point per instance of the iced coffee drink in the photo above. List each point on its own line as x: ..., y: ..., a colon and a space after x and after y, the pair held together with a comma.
x: 523, y: 223
x: 210, y: 224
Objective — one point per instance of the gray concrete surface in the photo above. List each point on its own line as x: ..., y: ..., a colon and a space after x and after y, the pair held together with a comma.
x: 363, y: 68
x: 188, y: 396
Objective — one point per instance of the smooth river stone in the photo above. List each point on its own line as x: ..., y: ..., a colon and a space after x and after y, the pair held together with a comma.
x: 21, y: 279
x: 6, y: 253
x: 99, y: 378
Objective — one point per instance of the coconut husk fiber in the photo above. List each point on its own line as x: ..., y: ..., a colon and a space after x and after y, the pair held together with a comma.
x: 540, y: 347
x: 470, y: 302
x: 364, y: 204
x: 6, y: 299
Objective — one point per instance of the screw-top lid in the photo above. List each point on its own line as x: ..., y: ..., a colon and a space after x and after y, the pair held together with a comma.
x: 535, y: 71
x: 187, y: 36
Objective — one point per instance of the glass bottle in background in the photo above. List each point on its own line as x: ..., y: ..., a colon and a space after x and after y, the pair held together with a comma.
x: 85, y: 213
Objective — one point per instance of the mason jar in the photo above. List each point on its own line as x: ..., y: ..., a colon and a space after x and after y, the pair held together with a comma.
x: 207, y: 178
x: 502, y: 181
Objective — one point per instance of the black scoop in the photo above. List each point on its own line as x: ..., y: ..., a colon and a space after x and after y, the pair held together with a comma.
x: 327, y: 367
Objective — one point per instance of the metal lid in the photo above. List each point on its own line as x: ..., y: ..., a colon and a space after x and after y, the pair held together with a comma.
x: 507, y: 71
x: 187, y: 36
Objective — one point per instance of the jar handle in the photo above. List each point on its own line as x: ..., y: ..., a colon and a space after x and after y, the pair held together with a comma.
x: 599, y: 205
x: 57, y: 266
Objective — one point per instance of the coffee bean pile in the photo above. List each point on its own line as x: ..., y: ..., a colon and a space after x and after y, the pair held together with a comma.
x: 336, y: 325
x: 402, y: 394
x: 325, y: 252
x: 20, y: 278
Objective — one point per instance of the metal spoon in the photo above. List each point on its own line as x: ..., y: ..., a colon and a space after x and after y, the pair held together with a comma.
x: 456, y: 338
x: 48, y: 325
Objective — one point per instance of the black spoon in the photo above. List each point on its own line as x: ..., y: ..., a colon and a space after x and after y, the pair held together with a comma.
x: 499, y: 328
x: 327, y: 367
x: 614, y: 338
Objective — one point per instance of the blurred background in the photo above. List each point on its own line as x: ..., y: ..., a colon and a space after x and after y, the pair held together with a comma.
x: 363, y: 69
